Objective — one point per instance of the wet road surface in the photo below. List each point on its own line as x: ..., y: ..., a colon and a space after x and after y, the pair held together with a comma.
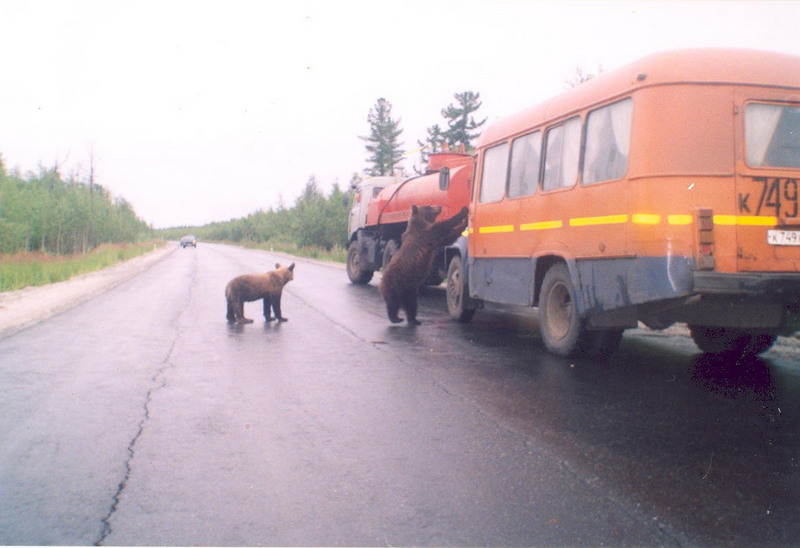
x: 142, y: 417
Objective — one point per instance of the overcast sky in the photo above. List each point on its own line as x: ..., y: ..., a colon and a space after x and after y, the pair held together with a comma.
x: 201, y: 111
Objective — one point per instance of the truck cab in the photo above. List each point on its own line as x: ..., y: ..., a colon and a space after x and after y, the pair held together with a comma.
x: 365, y: 192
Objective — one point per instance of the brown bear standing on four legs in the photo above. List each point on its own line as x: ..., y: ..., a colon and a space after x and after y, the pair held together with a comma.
x: 410, y: 266
x: 251, y: 287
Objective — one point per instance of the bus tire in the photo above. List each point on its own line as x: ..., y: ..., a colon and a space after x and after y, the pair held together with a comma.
x: 457, y: 292
x: 354, y: 272
x: 559, y: 323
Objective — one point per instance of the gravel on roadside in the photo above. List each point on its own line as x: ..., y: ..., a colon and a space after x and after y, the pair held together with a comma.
x: 25, y: 307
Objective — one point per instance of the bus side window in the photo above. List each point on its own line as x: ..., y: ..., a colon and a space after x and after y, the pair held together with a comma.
x: 608, y: 141
x: 525, y: 162
x: 495, y: 173
x: 562, y: 155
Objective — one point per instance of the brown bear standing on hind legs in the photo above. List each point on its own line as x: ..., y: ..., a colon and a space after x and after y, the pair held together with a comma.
x: 251, y: 287
x: 410, y: 266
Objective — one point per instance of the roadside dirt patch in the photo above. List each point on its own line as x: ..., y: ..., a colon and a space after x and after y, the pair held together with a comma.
x: 25, y: 307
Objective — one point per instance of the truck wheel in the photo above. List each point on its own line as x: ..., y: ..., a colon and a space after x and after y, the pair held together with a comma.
x: 354, y: 272
x: 457, y: 292
x: 560, y: 326
x: 389, y: 251
x: 729, y: 340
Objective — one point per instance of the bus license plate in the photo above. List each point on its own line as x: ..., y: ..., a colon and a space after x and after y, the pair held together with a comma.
x: 783, y: 237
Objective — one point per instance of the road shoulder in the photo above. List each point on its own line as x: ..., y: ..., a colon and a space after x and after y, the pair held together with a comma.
x: 26, y: 307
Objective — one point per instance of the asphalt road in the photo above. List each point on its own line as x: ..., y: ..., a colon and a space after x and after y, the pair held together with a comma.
x: 143, y: 417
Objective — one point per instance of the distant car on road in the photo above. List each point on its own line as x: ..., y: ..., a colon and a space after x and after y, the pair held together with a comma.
x: 189, y: 240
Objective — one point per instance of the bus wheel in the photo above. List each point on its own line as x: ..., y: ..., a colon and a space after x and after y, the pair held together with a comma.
x: 559, y: 323
x: 456, y: 292
x: 354, y: 272
x: 728, y: 340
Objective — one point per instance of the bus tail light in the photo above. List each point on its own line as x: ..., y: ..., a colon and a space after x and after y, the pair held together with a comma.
x: 705, y: 239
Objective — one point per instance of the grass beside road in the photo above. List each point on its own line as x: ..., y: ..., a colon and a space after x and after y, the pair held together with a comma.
x: 25, y: 269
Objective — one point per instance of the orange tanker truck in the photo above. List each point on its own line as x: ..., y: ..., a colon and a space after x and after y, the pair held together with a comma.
x: 382, y: 207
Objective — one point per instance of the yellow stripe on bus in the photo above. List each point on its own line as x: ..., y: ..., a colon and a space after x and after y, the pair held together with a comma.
x: 541, y: 225
x: 724, y: 219
x: 636, y: 218
x: 496, y: 229
x: 604, y: 220
x: 645, y: 219
x: 680, y: 219
x: 753, y: 220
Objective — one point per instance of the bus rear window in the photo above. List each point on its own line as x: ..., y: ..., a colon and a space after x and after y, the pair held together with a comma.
x: 772, y: 135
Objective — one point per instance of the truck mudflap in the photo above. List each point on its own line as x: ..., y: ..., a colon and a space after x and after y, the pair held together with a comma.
x: 370, y: 250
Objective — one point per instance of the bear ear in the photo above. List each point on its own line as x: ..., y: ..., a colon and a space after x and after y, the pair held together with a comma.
x: 291, y: 267
x: 414, y: 209
x: 277, y: 265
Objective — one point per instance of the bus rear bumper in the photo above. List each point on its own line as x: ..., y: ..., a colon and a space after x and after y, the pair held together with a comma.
x: 767, y: 284
x: 767, y: 302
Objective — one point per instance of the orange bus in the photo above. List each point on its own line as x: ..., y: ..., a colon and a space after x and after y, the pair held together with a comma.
x: 665, y: 191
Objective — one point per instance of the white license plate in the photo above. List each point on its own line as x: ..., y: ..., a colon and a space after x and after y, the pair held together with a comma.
x: 783, y: 237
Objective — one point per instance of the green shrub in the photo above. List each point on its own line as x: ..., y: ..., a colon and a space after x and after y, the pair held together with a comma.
x: 29, y: 269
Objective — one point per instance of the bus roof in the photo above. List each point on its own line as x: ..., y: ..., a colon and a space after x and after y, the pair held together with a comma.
x: 701, y: 66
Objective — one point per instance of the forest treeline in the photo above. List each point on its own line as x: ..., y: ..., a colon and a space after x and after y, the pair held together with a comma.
x: 320, y: 221
x: 43, y: 212
x: 46, y: 213
x: 315, y: 220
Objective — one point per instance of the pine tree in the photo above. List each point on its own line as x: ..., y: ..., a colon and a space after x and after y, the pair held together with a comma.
x: 382, y: 144
x: 432, y: 144
x: 461, y: 130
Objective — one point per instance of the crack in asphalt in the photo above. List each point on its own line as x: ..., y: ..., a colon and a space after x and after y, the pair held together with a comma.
x: 131, y: 449
x: 157, y: 382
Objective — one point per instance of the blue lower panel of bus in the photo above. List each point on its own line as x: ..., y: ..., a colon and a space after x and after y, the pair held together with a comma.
x: 607, y: 284
x: 602, y: 284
